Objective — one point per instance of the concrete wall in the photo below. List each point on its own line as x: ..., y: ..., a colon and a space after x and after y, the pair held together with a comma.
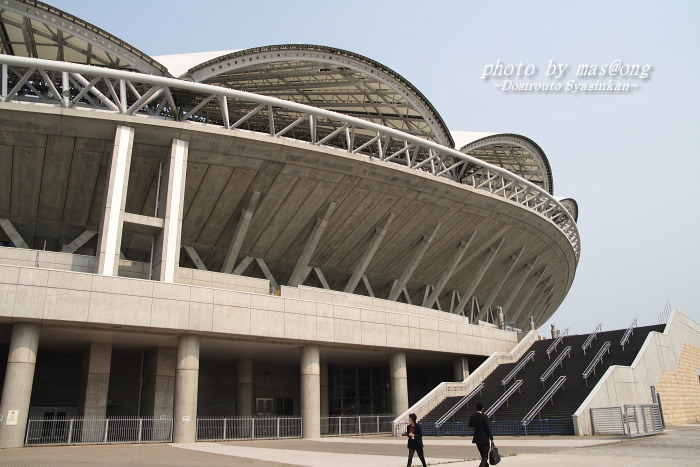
x: 631, y: 385
x: 66, y: 262
x: 301, y: 314
x: 680, y: 389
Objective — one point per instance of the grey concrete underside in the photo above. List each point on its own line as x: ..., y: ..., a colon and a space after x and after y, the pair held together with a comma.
x: 54, y: 163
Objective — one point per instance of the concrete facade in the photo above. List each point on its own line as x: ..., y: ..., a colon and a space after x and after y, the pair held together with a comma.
x: 660, y: 353
x: 207, y: 267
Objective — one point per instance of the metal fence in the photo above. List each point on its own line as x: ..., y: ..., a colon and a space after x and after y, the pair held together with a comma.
x: 229, y: 428
x: 356, y: 425
x: 643, y: 420
x: 544, y: 427
x: 607, y: 421
x: 82, y: 430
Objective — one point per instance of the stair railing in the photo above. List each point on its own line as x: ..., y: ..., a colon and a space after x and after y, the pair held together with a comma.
x: 530, y: 356
x: 591, y: 336
x: 543, y: 400
x: 504, y: 398
x: 625, y: 339
x: 553, y: 346
x: 597, y: 359
x: 555, y: 363
x: 461, y: 403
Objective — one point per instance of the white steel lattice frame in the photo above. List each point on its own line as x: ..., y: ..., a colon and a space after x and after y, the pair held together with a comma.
x: 331, y: 79
x: 78, y: 86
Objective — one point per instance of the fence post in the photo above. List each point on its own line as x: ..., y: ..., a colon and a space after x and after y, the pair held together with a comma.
x: 278, y: 427
x: 70, y: 431
x: 252, y: 427
x: 106, y: 429
x: 377, y: 423
x: 225, y: 429
x: 340, y: 426
x: 140, y: 429
x: 359, y: 425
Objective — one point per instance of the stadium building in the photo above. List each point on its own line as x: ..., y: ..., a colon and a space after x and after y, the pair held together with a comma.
x: 285, y: 230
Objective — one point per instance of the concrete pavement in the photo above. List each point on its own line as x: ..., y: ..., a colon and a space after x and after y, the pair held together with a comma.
x: 680, y: 445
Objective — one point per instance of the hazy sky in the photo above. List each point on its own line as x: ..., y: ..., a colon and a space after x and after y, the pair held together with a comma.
x: 630, y: 160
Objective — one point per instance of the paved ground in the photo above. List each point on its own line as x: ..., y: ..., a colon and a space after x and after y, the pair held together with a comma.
x: 680, y: 446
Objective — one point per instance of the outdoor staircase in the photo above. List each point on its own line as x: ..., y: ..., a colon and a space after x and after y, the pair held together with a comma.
x: 567, y: 399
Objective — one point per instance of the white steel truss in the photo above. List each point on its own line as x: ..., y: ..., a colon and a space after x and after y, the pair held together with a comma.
x: 78, y: 86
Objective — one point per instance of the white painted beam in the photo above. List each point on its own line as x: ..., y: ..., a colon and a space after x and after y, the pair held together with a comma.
x: 467, y: 294
x: 110, y: 234
x: 15, y: 237
x: 456, y: 258
x: 524, y: 274
x: 538, y: 276
x: 167, y: 243
x: 79, y: 241
x: 244, y: 221
x: 303, y: 262
x: 368, y: 254
x: 400, y: 284
x: 194, y: 256
x: 499, y: 285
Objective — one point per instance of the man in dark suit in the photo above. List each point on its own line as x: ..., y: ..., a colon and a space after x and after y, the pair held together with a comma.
x: 483, y: 438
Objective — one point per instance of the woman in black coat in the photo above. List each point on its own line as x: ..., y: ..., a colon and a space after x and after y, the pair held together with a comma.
x: 415, y: 440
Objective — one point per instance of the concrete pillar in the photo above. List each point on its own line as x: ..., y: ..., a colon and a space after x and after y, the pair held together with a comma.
x: 310, y: 391
x: 554, y: 331
x: 166, y: 251
x: 399, y: 383
x: 244, y: 387
x: 324, y: 389
x: 95, y: 386
x: 532, y: 323
x: 110, y: 235
x: 159, y: 382
x: 17, y: 389
x: 186, y: 386
x: 461, y: 368
x: 96, y: 366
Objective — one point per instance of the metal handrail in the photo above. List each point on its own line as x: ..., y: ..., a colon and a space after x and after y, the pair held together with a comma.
x: 461, y: 403
x: 555, y: 363
x: 628, y: 333
x: 504, y: 398
x: 543, y: 400
x: 591, y: 336
x: 598, y: 358
x: 553, y: 346
x: 529, y: 357
x: 123, y: 97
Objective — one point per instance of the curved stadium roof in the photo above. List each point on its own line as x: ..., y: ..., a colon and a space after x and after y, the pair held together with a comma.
x: 29, y: 28
x: 515, y: 153
x: 331, y: 79
x: 320, y: 76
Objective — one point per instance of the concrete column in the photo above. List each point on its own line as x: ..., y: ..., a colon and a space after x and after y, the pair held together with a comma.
x: 244, y: 387
x: 324, y: 389
x: 17, y: 388
x: 399, y: 383
x: 310, y: 391
x: 461, y: 368
x: 95, y: 385
x: 110, y: 235
x: 186, y: 386
x: 159, y: 382
x: 166, y: 251
x: 96, y: 366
